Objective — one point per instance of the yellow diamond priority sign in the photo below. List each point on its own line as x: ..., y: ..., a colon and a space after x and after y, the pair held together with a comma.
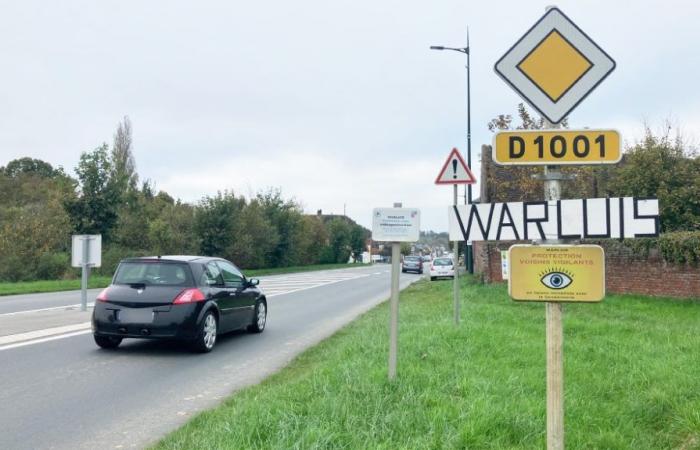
x: 554, y: 66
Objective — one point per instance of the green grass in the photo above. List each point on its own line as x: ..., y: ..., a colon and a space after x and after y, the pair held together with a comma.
x: 631, y: 380
x: 31, y: 287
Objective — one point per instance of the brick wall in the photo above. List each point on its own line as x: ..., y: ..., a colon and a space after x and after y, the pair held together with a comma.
x: 625, y: 272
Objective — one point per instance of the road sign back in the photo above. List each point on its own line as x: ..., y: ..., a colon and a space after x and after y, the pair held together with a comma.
x: 554, y: 66
x: 455, y: 171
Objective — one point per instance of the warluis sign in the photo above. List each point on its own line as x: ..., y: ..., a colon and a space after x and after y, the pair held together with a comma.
x: 593, y: 218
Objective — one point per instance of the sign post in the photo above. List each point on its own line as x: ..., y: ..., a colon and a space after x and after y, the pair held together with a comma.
x: 455, y: 171
x: 553, y: 67
x: 86, y: 252
x: 395, y: 225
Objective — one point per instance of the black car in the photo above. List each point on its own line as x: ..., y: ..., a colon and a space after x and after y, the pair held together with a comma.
x: 188, y: 298
x: 412, y: 264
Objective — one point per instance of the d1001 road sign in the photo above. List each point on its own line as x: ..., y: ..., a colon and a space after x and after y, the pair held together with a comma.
x: 556, y: 273
x: 554, y: 66
x: 556, y: 147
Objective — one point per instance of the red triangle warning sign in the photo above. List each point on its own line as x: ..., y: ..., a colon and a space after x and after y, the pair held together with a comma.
x: 455, y: 171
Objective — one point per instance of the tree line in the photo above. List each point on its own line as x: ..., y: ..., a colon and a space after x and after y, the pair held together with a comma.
x: 42, y: 206
x: 660, y: 165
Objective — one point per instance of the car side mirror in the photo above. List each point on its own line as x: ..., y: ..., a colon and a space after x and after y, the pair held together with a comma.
x: 253, y: 282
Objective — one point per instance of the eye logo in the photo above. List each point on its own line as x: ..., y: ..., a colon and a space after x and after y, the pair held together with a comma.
x: 556, y: 279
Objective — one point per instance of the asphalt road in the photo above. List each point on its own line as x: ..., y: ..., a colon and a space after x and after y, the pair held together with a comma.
x: 63, y: 392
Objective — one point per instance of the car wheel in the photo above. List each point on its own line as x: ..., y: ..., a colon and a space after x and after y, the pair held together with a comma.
x: 107, y: 341
x: 259, y: 318
x: 432, y: 278
x: 206, y: 337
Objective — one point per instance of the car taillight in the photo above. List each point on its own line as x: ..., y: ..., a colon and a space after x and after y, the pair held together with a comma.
x: 189, y: 296
x: 102, y: 297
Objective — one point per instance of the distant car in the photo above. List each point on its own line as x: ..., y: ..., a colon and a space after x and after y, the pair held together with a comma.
x: 188, y: 298
x: 427, y: 258
x: 442, y: 267
x: 412, y: 264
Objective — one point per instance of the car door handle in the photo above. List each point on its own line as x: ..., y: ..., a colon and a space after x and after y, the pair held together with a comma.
x: 232, y: 294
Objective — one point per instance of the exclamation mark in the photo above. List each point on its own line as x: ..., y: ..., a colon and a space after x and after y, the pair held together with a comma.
x: 454, y: 169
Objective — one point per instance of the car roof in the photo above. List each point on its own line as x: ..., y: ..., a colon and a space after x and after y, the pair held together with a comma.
x: 179, y: 258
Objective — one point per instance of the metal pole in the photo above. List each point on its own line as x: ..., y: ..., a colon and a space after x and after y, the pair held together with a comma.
x: 84, y: 281
x: 469, y: 254
x: 394, y: 306
x: 555, y: 335
x: 455, y: 280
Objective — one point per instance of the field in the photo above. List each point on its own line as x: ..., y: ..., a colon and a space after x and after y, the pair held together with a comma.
x: 631, y: 380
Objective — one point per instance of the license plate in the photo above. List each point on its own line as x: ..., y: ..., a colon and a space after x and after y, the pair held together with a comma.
x: 144, y: 315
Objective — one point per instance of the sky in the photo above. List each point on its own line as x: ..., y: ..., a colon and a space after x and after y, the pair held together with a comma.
x: 340, y: 104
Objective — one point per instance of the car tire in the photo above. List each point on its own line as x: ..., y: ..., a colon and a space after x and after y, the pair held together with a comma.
x: 259, y: 317
x: 206, y: 333
x: 433, y: 278
x: 109, y: 342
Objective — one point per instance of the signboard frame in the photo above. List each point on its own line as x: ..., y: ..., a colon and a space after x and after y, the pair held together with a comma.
x: 410, y: 218
x: 507, y: 68
x: 556, y: 132
x: 564, y: 272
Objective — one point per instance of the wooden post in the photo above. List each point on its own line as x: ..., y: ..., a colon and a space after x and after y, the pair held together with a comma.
x: 455, y: 265
x: 555, y: 335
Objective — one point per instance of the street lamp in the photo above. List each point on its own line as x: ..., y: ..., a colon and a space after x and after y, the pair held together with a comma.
x: 468, y: 193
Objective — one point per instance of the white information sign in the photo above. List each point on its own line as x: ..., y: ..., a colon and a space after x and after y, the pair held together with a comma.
x: 592, y: 218
x: 94, y: 250
x: 396, y: 224
x: 504, y: 264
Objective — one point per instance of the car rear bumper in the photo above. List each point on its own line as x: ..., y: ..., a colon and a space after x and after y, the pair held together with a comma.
x: 171, y: 322
x: 442, y: 273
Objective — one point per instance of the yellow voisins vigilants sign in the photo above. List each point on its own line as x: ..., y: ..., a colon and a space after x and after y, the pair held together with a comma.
x: 556, y: 273
x: 554, y: 147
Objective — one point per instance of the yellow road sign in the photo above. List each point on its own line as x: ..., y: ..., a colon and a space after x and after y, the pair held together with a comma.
x: 556, y: 273
x: 554, y: 66
x: 555, y: 147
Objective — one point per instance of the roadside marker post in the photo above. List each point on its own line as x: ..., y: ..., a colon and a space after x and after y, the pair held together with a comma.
x: 455, y: 171
x: 395, y: 225
x: 86, y: 252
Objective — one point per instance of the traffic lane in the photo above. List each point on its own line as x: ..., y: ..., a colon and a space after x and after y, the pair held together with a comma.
x: 32, y: 302
x: 23, y: 302
x: 70, y: 394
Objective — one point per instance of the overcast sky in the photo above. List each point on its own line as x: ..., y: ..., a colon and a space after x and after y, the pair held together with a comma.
x: 335, y: 102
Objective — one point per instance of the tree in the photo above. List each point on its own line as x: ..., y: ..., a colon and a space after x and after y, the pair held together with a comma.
x: 95, y: 209
x: 123, y: 165
x: 665, y: 168
x: 285, y: 216
x: 339, y: 241
x: 32, y: 166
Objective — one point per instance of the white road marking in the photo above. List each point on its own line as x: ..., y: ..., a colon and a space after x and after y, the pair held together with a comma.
x: 30, y: 335
x: 46, y: 339
x: 77, y: 305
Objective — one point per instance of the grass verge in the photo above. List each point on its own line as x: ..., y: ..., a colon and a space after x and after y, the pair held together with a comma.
x: 630, y: 374
x: 33, y: 287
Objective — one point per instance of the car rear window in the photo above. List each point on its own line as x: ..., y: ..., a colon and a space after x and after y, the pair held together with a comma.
x: 153, y: 273
x: 412, y: 258
x: 442, y: 262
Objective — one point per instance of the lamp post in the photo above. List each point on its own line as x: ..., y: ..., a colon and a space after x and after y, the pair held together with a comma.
x: 468, y: 193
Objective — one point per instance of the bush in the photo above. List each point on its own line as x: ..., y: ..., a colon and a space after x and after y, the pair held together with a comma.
x: 111, y: 257
x: 52, y: 266
x: 680, y: 247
